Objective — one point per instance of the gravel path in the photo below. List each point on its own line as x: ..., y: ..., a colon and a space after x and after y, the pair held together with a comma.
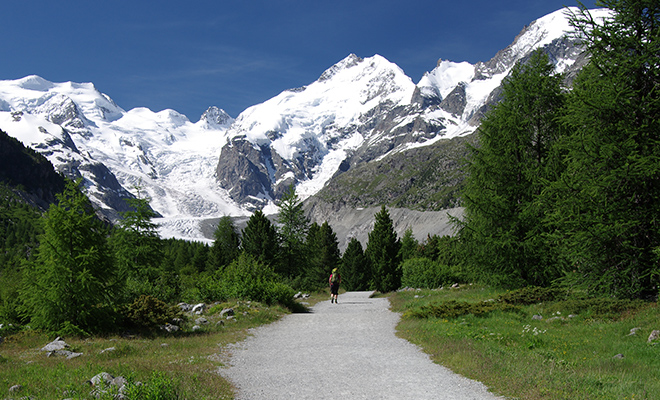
x: 347, y: 350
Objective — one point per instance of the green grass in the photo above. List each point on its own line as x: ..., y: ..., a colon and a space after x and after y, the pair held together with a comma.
x: 522, y: 358
x: 184, y: 364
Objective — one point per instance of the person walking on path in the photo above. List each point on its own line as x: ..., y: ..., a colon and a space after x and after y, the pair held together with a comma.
x: 334, y: 281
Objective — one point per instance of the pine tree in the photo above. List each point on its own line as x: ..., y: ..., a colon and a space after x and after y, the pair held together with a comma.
x: 293, y: 233
x: 409, y: 245
x: 383, y: 253
x: 355, y: 268
x: 135, y: 242
x: 609, y: 196
x: 259, y: 239
x: 503, y: 226
x: 226, y: 245
x: 72, y: 283
x: 324, y: 255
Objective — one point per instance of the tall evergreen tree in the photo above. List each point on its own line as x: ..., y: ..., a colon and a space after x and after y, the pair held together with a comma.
x: 136, y: 243
x: 608, y: 209
x: 72, y: 283
x: 355, y: 268
x: 293, y: 233
x: 503, y: 226
x: 260, y: 240
x: 409, y: 245
x: 383, y: 253
x: 324, y: 255
x: 226, y: 245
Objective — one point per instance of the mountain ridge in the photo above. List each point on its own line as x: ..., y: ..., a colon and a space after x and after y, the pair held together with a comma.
x: 359, y: 111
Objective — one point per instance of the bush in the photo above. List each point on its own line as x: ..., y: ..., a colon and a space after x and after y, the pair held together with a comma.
x: 597, y: 308
x: 453, y: 309
x: 150, y: 312
x: 426, y: 273
x: 248, y: 279
x: 532, y: 295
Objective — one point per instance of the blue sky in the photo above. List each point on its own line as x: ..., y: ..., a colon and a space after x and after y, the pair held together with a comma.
x: 189, y: 55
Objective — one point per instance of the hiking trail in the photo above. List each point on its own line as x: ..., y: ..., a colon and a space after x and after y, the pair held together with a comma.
x: 346, y: 350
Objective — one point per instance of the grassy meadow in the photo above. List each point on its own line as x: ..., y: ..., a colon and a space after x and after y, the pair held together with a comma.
x: 518, y: 357
x: 182, y: 365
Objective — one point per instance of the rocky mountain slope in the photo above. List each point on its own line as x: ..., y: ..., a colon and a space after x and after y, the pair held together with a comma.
x: 364, y: 131
x: 364, y: 110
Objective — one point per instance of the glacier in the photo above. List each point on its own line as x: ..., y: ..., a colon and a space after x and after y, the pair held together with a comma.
x: 359, y: 110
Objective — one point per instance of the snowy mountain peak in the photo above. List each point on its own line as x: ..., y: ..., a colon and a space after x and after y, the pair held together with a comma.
x: 302, y: 136
x: 35, y: 82
x: 215, y: 117
x: 348, y: 62
x: 360, y: 110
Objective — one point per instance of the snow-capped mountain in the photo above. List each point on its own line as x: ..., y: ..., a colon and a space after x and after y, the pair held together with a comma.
x: 359, y: 110
x: 84, y: 133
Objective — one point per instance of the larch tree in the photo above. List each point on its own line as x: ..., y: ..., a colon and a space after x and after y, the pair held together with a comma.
x: 503, y: 227
x: 608, y: 210
x: 72, y: 284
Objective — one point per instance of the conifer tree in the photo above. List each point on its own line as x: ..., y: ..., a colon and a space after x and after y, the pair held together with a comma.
x: 293, y: 233
x: 72, y: 283
x: 259, y: 239
x: 324, y: 255
x: 608, y: 199
x: 355, y: 268
x: 136, y: 243
x: 226, y: 245
x: 383, y: 253
x: 503, y: 227
x: 409, y: 245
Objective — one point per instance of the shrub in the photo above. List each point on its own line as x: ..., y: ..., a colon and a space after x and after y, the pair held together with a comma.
x: 249, y: 279
x: 426, y: 273
x: 599, y: 308
x: 454, y: 309
x: 150, y: 312
x: 531, y: 295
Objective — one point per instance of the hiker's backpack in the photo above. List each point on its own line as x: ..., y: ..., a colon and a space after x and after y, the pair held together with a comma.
x: 335, y: 278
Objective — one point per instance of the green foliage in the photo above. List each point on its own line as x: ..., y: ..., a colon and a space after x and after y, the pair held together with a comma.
x: 226, y: 244
x: 72, y: 279
x: 356, y: 271
x: 503, y: 229
x: 427, y: 274
x: 606, y: 210
x: 409, y: 245
x: 250, y: 279
x: 260, y: 239
x: 323, y: 249
x: 20, y: 225
x: 293, y: 229
x: 532, y: 295
x: 383, y: 253
x: 135, y: 241
x: 150, y: 312
x: 598, y: 308
x: 455, y: 309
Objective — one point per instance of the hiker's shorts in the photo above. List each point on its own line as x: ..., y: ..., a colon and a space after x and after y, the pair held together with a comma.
x: 334, y: 288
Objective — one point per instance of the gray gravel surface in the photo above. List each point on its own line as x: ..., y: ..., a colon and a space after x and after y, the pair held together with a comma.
x: 341, y: 351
